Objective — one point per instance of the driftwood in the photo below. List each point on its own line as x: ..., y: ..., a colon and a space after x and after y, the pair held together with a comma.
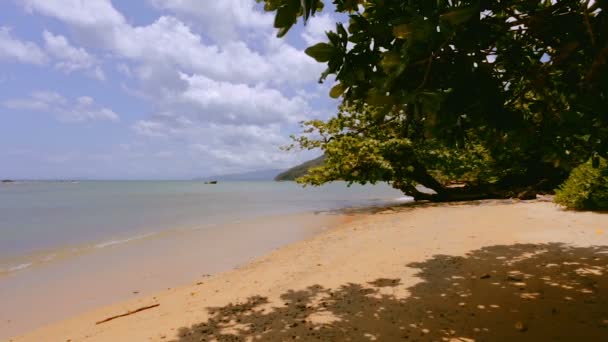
x: 128, y: 313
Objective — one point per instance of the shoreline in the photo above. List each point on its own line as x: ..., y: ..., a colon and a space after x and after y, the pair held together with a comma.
x: 76, y: 281
x: 41, y: 257
x: 389, y: 274
x: 36, y: 232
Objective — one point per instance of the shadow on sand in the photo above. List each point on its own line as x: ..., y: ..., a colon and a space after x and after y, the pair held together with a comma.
x: 410, y: 206
x: 543, y: 292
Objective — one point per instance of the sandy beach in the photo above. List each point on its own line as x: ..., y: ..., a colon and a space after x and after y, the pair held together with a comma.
x: 482, y: 271
x: 95, y: 277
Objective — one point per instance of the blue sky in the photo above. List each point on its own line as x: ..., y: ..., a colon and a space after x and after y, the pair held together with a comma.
x: 152, y: 89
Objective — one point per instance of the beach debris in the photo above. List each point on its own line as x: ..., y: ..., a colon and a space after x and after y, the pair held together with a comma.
x: 515, y: 277
x: 527, y: 195
x: 521, y: 326
x: 128, y: 313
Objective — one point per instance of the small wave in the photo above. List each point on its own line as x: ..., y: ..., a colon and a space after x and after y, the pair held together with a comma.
x: 118, y: 242
x: 19, y: 267
x: 49, y: 257
x: 404, y: 199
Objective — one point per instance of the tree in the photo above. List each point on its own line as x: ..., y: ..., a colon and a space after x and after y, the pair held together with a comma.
x: 504, y: 97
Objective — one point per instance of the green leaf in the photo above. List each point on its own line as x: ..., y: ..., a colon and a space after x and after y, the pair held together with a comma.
x: 342, y: 32
x: 595, y: 162
x: 337, y: 91
x: 321, y: 52
x: 286, y: 15
x: 269, y: 6
x: 307, y: 7
x: 283, y: 31
x: 402, y: 31
x: 334, y: 38
x: 389, y: 60
x: 376, y: 98
x: 310, y: 7
x: 459, y: 15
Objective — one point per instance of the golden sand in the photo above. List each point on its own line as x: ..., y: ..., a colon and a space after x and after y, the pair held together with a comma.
x: 483, y: 271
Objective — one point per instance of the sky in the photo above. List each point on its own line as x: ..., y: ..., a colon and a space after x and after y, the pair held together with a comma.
x: 153, y: 89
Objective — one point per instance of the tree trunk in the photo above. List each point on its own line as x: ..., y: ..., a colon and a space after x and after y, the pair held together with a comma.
x: 539, y: 179
x: 472, y: 193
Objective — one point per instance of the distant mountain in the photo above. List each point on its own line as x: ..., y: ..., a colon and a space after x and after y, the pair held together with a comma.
x: 263, y: 175
x: 300, y: 170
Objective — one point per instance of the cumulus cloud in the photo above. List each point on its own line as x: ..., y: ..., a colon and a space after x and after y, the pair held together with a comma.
x: 78, y: 110
x: 240, y: 103
x: 57, y: 48
x: 316, y: 28
x: 220, y: 20
x: 12, y: 48
x: 168, y: 40
x: 226, y: 147
x: 217, y: 94
x: 70, y: 58
x: 78, y: 12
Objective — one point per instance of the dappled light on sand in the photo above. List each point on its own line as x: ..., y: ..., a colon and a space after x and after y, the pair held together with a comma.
x: 529, y: 292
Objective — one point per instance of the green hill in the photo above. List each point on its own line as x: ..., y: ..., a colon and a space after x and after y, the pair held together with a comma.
x: 300, y: 170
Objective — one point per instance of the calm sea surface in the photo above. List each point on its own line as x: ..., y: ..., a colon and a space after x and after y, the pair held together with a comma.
x: 39, y: 217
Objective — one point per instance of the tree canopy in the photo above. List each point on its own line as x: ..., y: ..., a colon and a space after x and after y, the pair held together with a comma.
x: 503, y: 97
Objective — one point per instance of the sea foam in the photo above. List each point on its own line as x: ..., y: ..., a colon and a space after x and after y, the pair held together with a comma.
x: 118, y: 242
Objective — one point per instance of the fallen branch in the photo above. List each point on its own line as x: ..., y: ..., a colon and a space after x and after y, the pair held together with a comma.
x: 128, y: 313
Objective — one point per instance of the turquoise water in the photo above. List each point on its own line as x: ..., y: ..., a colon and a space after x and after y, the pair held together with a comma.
x: 43, y: 216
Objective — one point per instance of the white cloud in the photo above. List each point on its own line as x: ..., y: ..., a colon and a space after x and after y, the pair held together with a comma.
x: 66, y: 57
x: 38, y: 101
x: 13, y: 49
x: 222, y: 100
x: 78, y: 12
x: 81, y: 109
x: 316, y: 28
x: 221, y: 20
x: 70, y: 58
x: 239, y: 103
x: 170, y: 41
x: 226, y: 147
x: 151, y: 128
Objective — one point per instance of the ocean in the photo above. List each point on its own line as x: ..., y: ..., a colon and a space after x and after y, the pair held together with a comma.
x: 69, y: 247
x: 41, y: 220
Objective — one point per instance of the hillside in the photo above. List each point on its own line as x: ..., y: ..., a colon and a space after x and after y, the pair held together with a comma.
x: 300, y: 170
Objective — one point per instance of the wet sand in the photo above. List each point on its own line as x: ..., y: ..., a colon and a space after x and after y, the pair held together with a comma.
x: 483, y: 271
x: 75, y: 282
